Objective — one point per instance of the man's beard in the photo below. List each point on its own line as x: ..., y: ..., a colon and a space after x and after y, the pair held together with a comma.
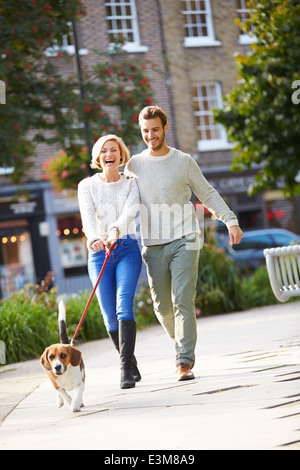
x: 158, y: 145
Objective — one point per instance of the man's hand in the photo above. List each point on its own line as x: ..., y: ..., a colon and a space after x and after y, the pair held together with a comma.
x: 235, y: 234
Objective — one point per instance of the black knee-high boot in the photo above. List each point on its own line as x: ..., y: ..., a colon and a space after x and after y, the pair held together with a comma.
x: 114, y: 335
x: 127, y: 334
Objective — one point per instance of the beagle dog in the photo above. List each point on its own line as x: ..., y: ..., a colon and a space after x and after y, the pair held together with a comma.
x: 65, y: 367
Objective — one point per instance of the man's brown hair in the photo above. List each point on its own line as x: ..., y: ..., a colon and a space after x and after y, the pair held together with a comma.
x: 151, y: 112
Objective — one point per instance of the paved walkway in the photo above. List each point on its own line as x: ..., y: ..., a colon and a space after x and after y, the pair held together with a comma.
x: 245, y: 395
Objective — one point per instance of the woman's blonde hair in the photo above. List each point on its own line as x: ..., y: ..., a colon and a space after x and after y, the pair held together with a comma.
x: 98, y: 147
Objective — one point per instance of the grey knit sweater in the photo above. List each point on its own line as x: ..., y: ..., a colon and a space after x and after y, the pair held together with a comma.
x: 166, y: 184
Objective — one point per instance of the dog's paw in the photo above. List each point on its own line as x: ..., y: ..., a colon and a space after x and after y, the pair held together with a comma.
x: 75, y: 407
x: 60, y: 401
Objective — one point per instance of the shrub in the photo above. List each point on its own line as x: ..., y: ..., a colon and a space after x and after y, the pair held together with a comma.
x: 219, y: 288
x: 27, y: 323
x: 256, y: 290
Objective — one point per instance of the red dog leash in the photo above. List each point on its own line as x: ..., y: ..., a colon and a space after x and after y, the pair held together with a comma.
x: 107, y: 255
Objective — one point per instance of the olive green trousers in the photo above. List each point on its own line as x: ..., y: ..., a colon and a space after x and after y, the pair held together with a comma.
x: 172, y: 273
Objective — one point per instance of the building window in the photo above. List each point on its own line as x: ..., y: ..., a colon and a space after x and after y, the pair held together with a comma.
x: 122, y: 20
x: 198, y: 24
x: 65, y: 44
x: 73, y: 249
x: 16, y: 257
x: 211, y: 136
x: 243, y: 12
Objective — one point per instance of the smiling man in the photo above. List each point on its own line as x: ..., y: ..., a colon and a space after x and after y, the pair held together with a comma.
x: 170, y: 231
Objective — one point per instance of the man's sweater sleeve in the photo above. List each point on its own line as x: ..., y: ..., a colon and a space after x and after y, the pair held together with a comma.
x: 208, y: 195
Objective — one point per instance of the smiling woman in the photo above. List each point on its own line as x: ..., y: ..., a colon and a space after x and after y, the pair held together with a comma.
x: 110, y: 160
x: 109, y: 202
x: 111, y: 148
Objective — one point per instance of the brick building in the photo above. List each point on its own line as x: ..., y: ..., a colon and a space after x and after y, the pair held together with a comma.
x: 193, y: 43
x: 202, y: 38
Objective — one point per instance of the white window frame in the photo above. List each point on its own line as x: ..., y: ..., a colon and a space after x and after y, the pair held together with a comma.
x: 211, y: 144
x: 200, y: 41
x: 65, y: 47
x: 130, y: 46
x: 243, y: 13
x: 4, y: 171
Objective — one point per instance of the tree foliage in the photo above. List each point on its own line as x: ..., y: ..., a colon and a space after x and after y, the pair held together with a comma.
x: 45, y: 105
x: 33, y: 100
x: 114, y: 92
x: 262, y: 113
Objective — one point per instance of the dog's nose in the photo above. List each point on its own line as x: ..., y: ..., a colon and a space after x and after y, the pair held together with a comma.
x: 57, y: 367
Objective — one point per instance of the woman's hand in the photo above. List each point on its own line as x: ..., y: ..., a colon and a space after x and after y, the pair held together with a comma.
x: 98, y: 245
x: 112, y: 238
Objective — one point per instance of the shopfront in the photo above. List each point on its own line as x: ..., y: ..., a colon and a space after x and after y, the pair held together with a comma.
x: 66, y: 242
x: 23, y: 248
x: 41, y: 232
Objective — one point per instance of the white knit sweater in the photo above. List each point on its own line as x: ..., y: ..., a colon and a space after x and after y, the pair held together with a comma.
x: 166, y: 184
x: 104, y: 206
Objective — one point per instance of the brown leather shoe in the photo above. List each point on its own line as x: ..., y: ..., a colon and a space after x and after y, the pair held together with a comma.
x: 184, y: 372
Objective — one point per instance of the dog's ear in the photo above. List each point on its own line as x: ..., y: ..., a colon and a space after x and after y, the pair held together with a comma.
x: 44, y: 360
x: 75, y: 356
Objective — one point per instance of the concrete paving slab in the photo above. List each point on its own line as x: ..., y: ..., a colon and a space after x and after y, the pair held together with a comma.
x: 245, y: 394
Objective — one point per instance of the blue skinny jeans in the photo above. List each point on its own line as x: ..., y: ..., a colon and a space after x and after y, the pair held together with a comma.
x: 118, y: 283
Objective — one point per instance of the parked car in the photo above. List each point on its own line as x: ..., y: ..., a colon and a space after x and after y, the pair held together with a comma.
x: 250, y: 251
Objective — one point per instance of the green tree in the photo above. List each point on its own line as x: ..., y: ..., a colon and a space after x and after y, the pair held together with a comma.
x: 43, y: 105
x: 34, y: 103
x: 114, y: 92
x: 261, y: 113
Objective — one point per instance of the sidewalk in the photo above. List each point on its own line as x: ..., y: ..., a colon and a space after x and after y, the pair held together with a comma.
x: 245, y: 395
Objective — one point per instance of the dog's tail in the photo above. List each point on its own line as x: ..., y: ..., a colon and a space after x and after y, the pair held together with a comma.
x: 62, y: 323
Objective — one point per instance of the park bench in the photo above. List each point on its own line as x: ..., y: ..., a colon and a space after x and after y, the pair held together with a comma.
x: 283, y: 266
